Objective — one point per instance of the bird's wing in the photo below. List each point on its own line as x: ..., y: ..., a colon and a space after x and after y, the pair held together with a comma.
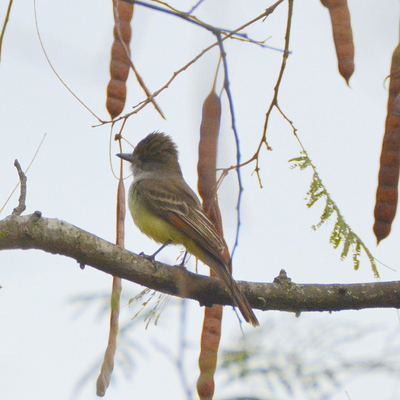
x: 178, y: 205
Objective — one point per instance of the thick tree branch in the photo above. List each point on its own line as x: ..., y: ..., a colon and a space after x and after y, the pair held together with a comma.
x: 60, y: 237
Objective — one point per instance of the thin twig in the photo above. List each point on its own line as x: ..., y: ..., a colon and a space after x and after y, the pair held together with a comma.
x: 145, y: 102
x: 285, y: 56
x: 6, y: 19
x: 274, y: 103
x: 237, y: 142
x: 195, y: 6
x: 187, y: 16
x: 54, y: 70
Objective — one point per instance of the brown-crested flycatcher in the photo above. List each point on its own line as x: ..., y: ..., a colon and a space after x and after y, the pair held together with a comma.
x: 167, y: 210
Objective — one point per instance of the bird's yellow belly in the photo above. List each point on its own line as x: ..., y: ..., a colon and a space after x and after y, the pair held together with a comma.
x: 158, y: 229
x: 153, y: 225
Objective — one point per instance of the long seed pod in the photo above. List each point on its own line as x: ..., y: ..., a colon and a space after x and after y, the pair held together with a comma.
x: 210, y: 338
x: 207, y: 165
x: 120, y: 58
x: 342, y: 36
x: 387, y: 192
x: 207, y: 184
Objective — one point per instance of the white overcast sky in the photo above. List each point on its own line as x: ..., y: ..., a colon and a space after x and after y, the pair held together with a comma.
x: 46, y: 344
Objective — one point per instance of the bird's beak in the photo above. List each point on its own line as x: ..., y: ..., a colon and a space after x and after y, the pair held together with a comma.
x: 125, y: 156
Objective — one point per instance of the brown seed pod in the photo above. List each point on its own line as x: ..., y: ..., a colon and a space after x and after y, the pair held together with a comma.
x: 207, y: 185
x: 342, y: 35
x: 387, y: 192
x: 120, y: 58
x: 208, y: 145
x: 209, y: 345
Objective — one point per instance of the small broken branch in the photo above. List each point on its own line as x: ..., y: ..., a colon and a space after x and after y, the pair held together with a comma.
x: 22, y: 198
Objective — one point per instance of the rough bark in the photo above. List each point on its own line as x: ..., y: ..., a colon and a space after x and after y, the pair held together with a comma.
x: 59, y: 237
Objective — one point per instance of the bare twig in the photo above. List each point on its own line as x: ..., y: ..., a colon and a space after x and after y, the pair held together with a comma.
x: 145, y: 102
x: 22, y: 198
x: 53, y: 69
x: 187, y: 16
x: 16, y: 186
x: 286, y: 53
x: 274, y: 103
x: 236, y: 135
x: 6, y: 19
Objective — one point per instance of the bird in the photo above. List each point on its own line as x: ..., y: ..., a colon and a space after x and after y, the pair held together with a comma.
x: 166, y: 209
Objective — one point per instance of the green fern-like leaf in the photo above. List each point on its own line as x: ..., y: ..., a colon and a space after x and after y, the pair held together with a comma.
x: 342, y: 233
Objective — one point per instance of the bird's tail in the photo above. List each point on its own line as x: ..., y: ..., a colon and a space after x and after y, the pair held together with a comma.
x: 238, y: 297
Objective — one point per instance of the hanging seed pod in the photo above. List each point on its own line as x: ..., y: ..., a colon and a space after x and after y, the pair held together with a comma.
x: 120, y: 58
x: 207, y: 186
x: 208, y: 146
x: 342, y: 35
x: 210, y: 338
x: 387, y: 192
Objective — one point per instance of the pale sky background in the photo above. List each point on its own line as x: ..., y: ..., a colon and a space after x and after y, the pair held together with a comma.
x: 47, y: 344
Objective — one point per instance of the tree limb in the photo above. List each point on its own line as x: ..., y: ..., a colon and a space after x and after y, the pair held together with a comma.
x: 60, y: 237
